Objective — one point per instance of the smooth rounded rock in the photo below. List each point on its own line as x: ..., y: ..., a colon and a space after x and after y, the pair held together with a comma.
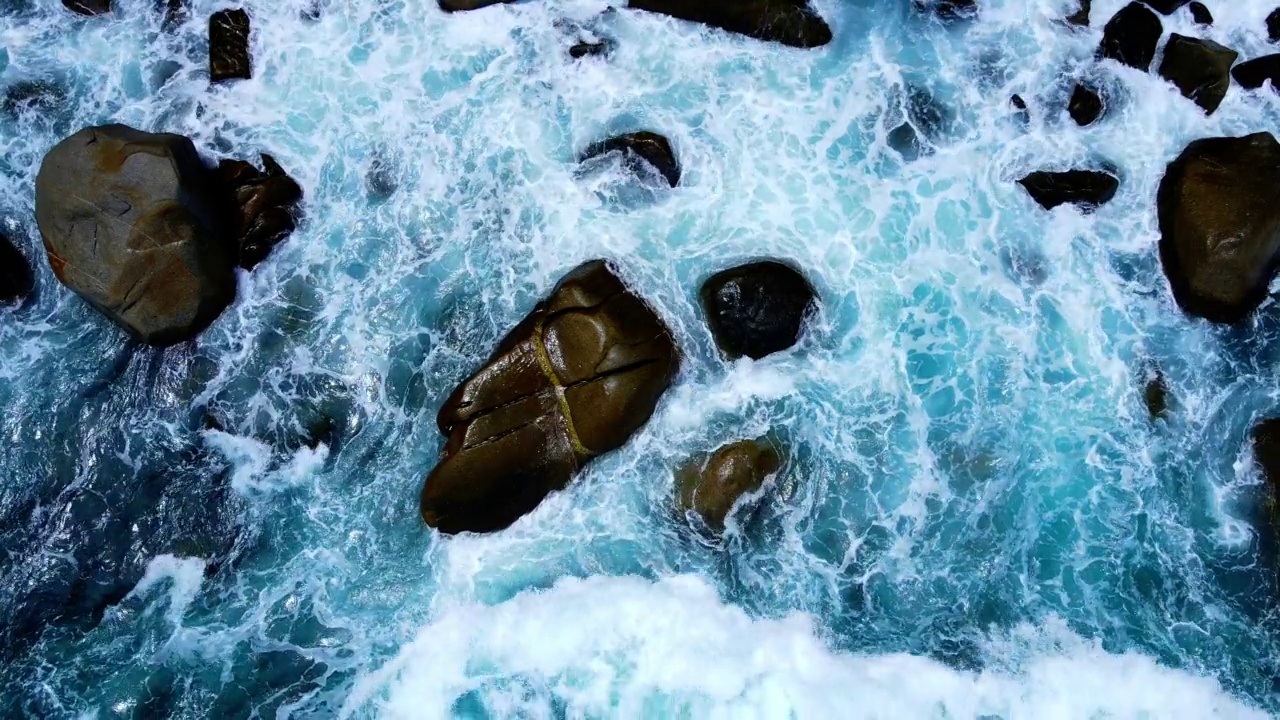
x: 713, y: 486
x: 130, y: 223
x: 1087, y: 189
x: 575, y: 379
x: 757, y: 309
x: 641, y: 152
x: 1219, y: 213
x: 1201, y: 69
x: 1200, y: 14
x: 1131, y: 36
x: 1251, y: 74
x: 1085, y: 106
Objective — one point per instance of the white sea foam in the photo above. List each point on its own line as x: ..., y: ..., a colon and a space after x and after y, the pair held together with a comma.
x: 630, y: 648
x: 184, y: 576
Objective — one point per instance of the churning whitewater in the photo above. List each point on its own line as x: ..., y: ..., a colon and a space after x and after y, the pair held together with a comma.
x: 975, y: 516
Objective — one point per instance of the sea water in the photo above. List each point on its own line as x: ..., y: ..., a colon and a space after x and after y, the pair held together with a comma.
x: 977, y: 518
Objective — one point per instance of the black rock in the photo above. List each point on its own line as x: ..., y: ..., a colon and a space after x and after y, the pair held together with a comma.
x: 1081, y: 16
x: 948, y: 9
x: 1266, y: 449
x: 790, y: 22
x: 88, y: 7
x: 1085, y: 106
x: 1273, y: 25
x: 15, y: 273
x: 1200, y: 14
x: 1155, y: 393
x: 1086, y: 189
x: 1166, y: 6
x: 453, y: 6
x: 1218, y: 207
x: 1131, y: 36
x: 925, y: 123
x: 757, y: 309
x: 582, y: 48
x: 261, y: 204
x: 1018, y: 102
x: 229, y: 46
x: 1251, y: 74
x: 174, y: 12
x: 1020, y: 107
x: 1201, y: 69
x: 640, y: 151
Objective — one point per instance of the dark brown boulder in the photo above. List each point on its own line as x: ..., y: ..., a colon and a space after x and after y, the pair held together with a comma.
x: 129, y: 221
x: 1251, y: 74
x: 88, y: 7
x: 263, y: 205
x: 1085, y: 106
x: 576, y: 379
x: 790, y: 22
x: 1081, y: 17
x: 452, y: 6
x: 1219, y: 213
x: 1200, y: 14
x: 15, y: 273
x: 712, y: 485
x: 1166, y: 6
x: 1131, y: 36
x: 1201, y: 69
x: 640, y: 151
x: 229, y: 46
x: 1087, y: 189
x: 757, y: 309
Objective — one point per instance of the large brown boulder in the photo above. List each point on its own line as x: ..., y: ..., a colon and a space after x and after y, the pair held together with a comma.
x: 1219, y: 213
x: 1131, y: 36
x: 129, y: 223
x: 1201, y: 69
x: 711, y: 486
x: 790, y: 22
x: 575, y: 379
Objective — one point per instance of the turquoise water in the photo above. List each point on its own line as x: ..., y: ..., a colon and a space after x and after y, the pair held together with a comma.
x: 977, y: 517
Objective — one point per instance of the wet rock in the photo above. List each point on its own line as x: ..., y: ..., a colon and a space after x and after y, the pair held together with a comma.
x: 948, y: 9
x: 1131, y: 35
x: 1201, y: 69
x: 711, y: 486
x: 1251, y: 74
x: 790, y: 22
x: 1086, y: 189
x: 1166, y: 6
x: 1218, y: 207
x: 129, y: 221
x: 1081, y: 17
x: 1273, y: 25
x: 575, y: 379
x: 1020, y: 108
x: 1200, y: 14
x: 642, y: 152
x: 39, y: 96
x: 452, y: 6
x: 1155, y: 393
x: 1266, y: 450
x: 581, y: 49
x: 15, y: 274
x: 264, y: 203
x: 1085, y: 106
x: 174, y: 13
x: 229, y: 46
x: 88, y: 7
x: 757, y: 309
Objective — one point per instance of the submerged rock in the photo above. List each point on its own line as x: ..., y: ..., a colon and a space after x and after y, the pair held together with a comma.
x: 1201, y: 69
x: 948, y: 9
x: 1251, y: 74
x: 452, y: 6
x: 174, y: 12
x: 713, y: 485
x: 1166, y: 6
x: 1200, y: 14
x: 1219, y: 208
x: 15, y: 273
x: 88, y: 7
x: 757, y: 309
x: 229, y: 46
x: 640, y: 152
x: 575, y: 379
x: 1086, y: 189
x: 583, y: 48
x: 1085, y: 106
x: 790, y: 22
x: 926, y: 121
x: 265, y: 203
x: 1155, y: 393
x: 1131, y: 35
x: 1081, y: 17
x: 129, y: 220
